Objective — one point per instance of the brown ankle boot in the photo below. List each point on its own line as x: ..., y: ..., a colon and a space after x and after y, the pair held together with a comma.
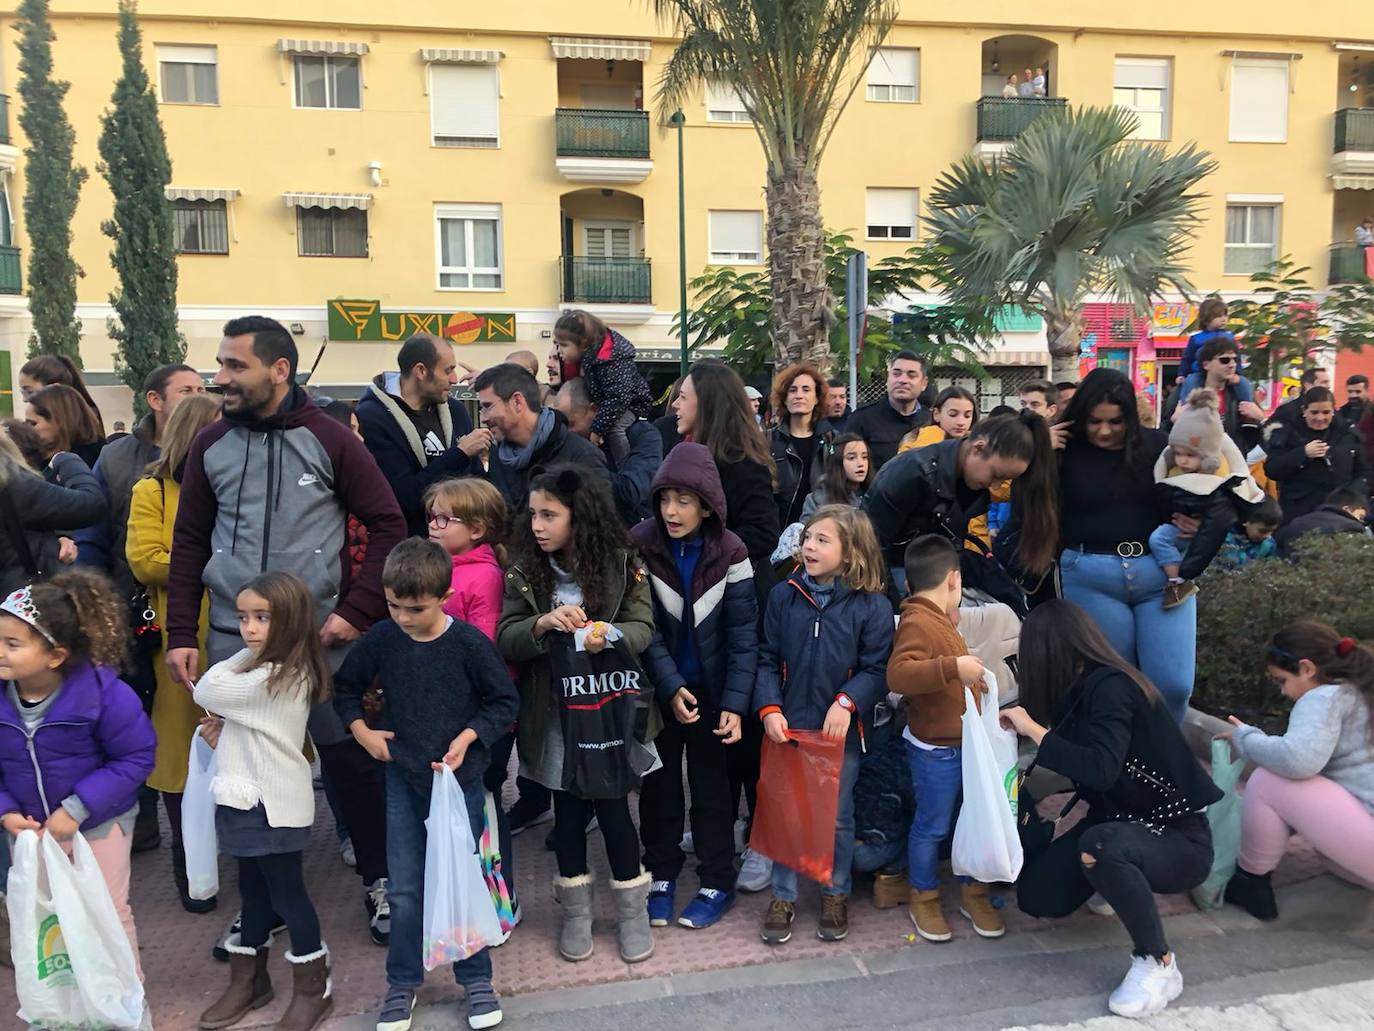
x: 311, y: 991
x: 924, y: 907
x: 249, y: 988
x: 890, y: 890
x: 974, y: 904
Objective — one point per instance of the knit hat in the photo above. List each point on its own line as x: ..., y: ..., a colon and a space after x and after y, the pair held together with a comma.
x: 1198, y: 426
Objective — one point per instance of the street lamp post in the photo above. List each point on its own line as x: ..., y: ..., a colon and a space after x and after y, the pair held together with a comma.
x: 679, y: 119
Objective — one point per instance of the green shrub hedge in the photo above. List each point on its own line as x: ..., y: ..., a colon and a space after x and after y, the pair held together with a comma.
x: 1332, y: 580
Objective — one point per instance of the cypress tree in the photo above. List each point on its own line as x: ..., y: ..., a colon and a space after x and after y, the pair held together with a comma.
x: 52, y: 183
x: 134, y: 161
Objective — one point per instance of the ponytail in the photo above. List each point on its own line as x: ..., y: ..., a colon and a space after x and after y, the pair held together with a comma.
x: 81, y: 612
x: 1026, y: 436
x: 1339, y: 660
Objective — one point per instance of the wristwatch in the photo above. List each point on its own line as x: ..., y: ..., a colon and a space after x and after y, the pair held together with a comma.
x: 846, y: 703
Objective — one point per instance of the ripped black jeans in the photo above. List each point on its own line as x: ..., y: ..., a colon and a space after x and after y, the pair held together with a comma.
x: 1131, y: 863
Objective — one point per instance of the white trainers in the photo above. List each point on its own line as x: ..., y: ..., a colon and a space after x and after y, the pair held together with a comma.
x: 755, y: 873
x: 1100, y: 906
x: 1147, y: 988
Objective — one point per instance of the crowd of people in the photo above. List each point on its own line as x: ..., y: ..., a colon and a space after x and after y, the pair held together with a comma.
x: 391, y: 591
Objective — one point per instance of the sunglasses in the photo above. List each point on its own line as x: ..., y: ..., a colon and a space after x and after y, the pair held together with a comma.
x: 1229, y: 359
x: 440, y: 520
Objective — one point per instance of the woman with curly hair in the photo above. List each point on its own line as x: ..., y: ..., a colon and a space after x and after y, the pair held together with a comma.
x: 801, y: 441
x: 573, y: 568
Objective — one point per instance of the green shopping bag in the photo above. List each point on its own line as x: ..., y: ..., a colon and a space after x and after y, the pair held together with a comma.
x: 1224, y: 819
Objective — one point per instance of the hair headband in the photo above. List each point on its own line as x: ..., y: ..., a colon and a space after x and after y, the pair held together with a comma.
x: 20, y: 605
x: 1344, y: 647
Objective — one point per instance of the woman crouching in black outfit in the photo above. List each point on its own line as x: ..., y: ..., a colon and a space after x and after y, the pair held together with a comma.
x: 1145, y: 830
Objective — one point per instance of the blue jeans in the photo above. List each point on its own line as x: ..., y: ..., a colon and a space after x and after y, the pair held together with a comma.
x: 938, y: 776
x: 842, y: 877
x: 1167, y: 547
x: 406, y: 811
x: 872, y: 858
x: 1124, y: 598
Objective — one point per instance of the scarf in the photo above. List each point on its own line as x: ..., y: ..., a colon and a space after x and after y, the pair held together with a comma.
x: 521, y: 458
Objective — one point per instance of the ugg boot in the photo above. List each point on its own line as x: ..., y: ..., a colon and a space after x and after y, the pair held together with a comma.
x: 632, y: 918
x: 574, y: 897
x: 974, y: 904
x: 927, y: 915
x: 312, y: 991
x: 890, y: 890
x: 249, y: 988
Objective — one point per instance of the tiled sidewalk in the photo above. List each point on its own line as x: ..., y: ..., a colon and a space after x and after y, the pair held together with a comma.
x: 182, y: 977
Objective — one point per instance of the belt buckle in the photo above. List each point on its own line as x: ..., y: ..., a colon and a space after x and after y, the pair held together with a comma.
x: 1130, y: 549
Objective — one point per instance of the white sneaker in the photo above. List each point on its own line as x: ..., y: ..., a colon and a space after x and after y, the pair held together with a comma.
x: 755, y: 873
x: 1147, y: 988
x: 1101, y: 906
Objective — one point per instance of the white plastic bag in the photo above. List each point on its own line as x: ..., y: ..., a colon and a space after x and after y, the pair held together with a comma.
x: 43, y: 977
x: 198, y: 837
x: 460, y: 919
x: 987, y: 846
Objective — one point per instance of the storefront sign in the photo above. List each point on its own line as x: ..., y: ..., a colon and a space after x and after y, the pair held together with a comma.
x: 365, y: 320
x: 1171, y: 320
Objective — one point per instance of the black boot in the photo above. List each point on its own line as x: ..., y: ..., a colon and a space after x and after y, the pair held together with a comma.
x: 197, y: 906
x: 1254, y: 893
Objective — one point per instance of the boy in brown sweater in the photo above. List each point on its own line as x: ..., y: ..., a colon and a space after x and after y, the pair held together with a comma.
x: 930, y: 665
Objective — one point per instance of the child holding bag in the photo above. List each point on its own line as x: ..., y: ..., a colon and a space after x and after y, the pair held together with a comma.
x: 575, y: 571
x: 827, y: 633
x: 75, y: 744
x: 265, y: 801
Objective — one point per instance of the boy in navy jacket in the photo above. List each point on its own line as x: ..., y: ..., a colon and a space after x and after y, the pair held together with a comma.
x: 702, y: 660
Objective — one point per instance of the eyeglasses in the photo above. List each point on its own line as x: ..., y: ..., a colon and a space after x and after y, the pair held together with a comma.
x: 1229, y: 359
x: 440, y: 520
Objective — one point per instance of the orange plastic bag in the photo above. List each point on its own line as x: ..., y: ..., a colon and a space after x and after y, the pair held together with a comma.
x: 799, y: 793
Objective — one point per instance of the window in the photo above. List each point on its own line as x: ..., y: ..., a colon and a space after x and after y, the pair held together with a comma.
x: 328, y: 82
x: 1259, y: 100
x: 890, y: 214
x: 465, y: 105
x: 609, y: 240
x: 723, y: 104
x: 1252, y: 237
x: 894, y: 76
x: 736, y: 237
x: 1142, y: 86
x: 331, y: 232
x: 469, y: 246
x: 201, y: 226
x: 188, y: 75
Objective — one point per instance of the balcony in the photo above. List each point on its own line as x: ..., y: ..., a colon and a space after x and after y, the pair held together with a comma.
x: 1002, y: 119
x: 594, y: 146
x: 9, y: 153
x: 11, y: 280
x: 1352, y: 157
x: 605, y: 280
x: 1348, y: 264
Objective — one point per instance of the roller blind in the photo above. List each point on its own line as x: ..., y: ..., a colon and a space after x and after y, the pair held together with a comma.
x: 1142, y: 72
x: 465, y: 104
x: 736, y: 235
x: 893, y: 67
x: 891, y: 213
x: 1259, y: 100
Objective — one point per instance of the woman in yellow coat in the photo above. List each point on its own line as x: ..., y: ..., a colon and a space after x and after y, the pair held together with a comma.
x: 152, y: 514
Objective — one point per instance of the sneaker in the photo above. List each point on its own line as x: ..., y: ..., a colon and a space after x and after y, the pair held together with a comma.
x: 925, y: 912
x: 378, y: 912
x: 1176, y: 592
x: 834, y: 924
x: 484, y: 1008
x: 974, y: 904
x: 755, y: 873
x: 346, y: 853
x: 1100, y: 906
x: 708, y: 907
x: 527, y: 814
x: 231, y: 936
x: 1147, y: 988
x: 777, y: 922
x: 661, y: 903
x: 1254, y: 893
x: 396, y: 1010
x: 687, y: 844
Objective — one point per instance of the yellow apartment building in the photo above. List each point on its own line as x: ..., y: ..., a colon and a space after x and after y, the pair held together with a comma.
x: 360, y: 172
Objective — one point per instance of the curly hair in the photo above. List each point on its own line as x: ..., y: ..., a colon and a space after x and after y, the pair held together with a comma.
x: 598, y: 536
x: 782, y: 383
x: 81, y: 611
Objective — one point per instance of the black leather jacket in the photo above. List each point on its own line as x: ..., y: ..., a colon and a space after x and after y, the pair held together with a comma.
x: 789, y: 463
x: 918, y: 493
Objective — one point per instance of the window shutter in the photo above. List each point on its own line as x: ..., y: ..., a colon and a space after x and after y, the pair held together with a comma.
x: 736, y: 232
x: 892, y: 209
x: 465, y: 101
x: 894, y: 67
x: 722, y: 97
x: 186, y: 55
x: 1142, y: 73
x: 1259, y: 100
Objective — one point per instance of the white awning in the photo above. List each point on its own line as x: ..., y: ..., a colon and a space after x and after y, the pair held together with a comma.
x: 361, y: 201
x: 1352, y: 182
x: 437, y: 56
x: 320, y: 46
x: 224, y: 193
x: 998, y: 357
x: 600, y: 49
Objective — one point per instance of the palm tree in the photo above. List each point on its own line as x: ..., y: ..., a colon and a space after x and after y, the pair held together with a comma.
x: 1075, y: 208
x: 794, y: 64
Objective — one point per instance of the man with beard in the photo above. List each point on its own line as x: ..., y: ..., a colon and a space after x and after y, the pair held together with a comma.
x: 270, y: 487
x: 886, y: 421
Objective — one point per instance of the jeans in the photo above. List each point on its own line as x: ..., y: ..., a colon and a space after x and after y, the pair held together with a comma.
x: 938, y: 776
x: 1167, y: 547
x: 570, y: 818
x: 275, y: 884
x: 842, y: 875
x: 1124, y: 596
x: 872, y: 858
x: 1130, y: 864
x: 407, y: 808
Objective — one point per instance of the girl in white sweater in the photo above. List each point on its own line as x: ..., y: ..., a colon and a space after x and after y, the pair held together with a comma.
x: 265, y: 801
x: 1318, y: 778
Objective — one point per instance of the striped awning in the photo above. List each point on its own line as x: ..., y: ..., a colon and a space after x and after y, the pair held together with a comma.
x: 431, y: 55
x: 225, y: 193
x: 360, y: 201
x: 320, y: 46
x: 1000, y: 357
x: 600, y: 49
x: 1352, y: 182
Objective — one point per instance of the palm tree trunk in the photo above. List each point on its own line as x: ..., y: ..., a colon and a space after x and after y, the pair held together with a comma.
x: 802, y: 314
x: 1064, y: 331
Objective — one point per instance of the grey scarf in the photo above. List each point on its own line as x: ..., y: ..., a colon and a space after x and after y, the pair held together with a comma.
x: 520, y: 458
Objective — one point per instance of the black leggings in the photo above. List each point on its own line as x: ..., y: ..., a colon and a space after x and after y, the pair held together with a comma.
x: 1131, y: 863
x: 570, y: 818
x: 271, y: 885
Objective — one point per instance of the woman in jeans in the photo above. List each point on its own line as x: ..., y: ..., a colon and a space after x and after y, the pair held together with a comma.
x: 1145, y: 830
x: 1108, y: 509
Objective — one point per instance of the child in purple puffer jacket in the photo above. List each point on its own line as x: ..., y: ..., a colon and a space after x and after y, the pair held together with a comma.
x: 75, y: 744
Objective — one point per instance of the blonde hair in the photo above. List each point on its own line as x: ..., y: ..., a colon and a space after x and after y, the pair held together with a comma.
x: 862, y: 566
x: 188, y: 418
x: 473, y: 501
x: 12, y: 463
